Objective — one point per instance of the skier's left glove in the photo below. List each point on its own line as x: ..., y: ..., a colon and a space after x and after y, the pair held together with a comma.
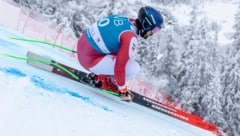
x: 122, y: 90
x: 125, y: 95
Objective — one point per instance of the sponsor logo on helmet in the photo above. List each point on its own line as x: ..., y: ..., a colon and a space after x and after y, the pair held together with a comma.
x: 153, y: 19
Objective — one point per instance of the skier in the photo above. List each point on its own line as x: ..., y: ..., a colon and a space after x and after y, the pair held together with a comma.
x: 107, y: 46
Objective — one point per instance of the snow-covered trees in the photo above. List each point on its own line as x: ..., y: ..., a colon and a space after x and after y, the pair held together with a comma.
x: 231, y: 81
x: 199, y: 84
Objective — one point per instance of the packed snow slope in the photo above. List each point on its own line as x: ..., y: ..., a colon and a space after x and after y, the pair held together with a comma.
x: 37, y: 103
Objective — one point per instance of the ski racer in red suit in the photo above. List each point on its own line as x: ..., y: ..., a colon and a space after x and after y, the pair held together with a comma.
x: 106, y: 47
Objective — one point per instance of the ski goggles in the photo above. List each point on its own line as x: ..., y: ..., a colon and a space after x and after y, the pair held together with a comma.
x: 146, y: 27
x: 155, y: 30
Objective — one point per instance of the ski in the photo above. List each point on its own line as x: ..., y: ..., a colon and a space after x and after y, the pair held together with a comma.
x: 60, y: 69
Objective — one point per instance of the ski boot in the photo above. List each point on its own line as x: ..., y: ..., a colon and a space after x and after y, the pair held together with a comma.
x: 107, y: 83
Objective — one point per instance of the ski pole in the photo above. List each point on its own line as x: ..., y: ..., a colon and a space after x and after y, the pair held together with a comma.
x: 42, y: 42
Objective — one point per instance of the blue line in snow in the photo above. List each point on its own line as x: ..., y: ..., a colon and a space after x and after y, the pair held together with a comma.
x: 13, y: 71
x: 41, y: 83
